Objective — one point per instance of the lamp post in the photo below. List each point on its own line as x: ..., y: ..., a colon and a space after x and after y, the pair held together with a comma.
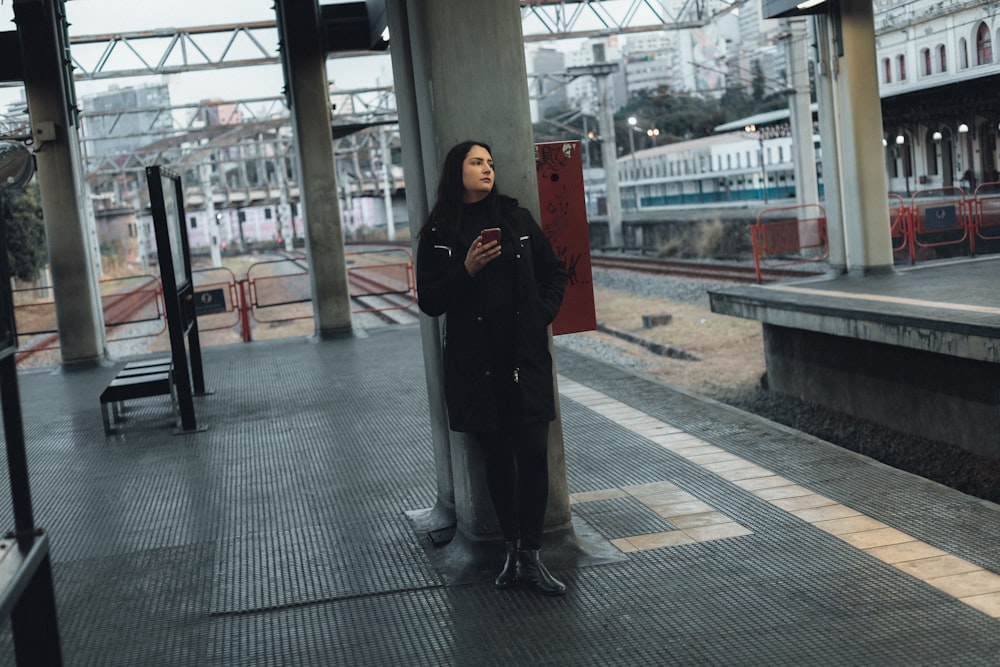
x: 653, y: 134
x: 963, y: 131
x: 751, y: 129
x: 902, y: 152
x: 936, y: 137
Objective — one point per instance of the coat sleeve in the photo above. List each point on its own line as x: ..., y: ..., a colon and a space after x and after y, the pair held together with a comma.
x: 550, y: 271
x: 441, y: 276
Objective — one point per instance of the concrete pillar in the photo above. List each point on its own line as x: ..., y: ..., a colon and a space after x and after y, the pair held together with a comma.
x: 800, y: 111
x: 420, y: 168
x: 307, y: 88
x: 48, y: 85
x: 862, y: 167
x: 467, y: 84
x: 829, y: 137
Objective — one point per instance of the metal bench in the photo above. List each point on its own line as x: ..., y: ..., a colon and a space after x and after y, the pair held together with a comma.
x: 146, y: 363
x: 133, y: 383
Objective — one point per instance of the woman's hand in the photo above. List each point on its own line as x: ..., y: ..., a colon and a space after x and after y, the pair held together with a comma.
x: 480, y: 255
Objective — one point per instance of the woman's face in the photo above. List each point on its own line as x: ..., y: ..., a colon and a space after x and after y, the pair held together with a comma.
x: 477, y: 174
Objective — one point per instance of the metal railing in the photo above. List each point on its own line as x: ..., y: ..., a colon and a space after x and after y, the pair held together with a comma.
x: 986, y: 211
x: 387, y: 273
x: 127, y: 303
x: 944, y: 217
x: 273, y: 291
x: 898, y: 227
x: 939, y: 217
x: 786, y: 235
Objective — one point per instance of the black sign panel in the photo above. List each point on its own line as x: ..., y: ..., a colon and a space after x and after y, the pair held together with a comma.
x: 210, y: 301
x: 940, y: 217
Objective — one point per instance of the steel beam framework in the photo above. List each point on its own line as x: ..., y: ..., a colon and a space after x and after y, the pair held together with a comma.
x: 560, y: 19
x: 175, y: 50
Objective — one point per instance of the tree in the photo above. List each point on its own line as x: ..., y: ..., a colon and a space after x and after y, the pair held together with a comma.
x: 21, y: 212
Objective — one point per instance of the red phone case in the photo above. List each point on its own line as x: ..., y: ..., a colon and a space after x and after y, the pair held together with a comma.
x: 491, y: 234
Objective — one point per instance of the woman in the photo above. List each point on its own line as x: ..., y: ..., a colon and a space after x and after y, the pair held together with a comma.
x: 499, y: 298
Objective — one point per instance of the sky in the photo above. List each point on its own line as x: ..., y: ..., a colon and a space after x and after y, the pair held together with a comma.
x: 99, y: 17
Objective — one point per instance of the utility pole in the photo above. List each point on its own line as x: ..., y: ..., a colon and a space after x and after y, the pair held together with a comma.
x: 601, y: 70
x: 390, y: 225
x: 211, y: 220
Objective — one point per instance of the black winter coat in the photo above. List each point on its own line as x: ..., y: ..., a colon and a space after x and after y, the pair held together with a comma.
x: 444, y: 287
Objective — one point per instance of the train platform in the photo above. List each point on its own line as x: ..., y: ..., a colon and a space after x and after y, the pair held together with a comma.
x: 280, y: 534
x: 916, y: 349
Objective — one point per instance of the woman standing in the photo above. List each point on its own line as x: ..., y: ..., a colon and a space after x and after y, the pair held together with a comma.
x: 499, y: 298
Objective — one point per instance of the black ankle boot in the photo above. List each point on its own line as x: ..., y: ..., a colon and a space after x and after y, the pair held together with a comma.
x: 530, y: 570
x: 508, y: 575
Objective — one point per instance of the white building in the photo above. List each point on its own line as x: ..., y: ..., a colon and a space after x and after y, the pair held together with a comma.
x: 938, y: 76
x: 582, y: 91
x: 649, y: 60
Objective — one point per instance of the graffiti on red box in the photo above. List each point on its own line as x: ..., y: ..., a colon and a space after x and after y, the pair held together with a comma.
x: 559, y: 168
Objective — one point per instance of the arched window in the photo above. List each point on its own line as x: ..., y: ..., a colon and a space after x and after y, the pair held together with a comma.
x: 963, y: 54
x: 901, y: 60
x: 886, y: 71
x: 942, y: 58
x: 925, y: 58
x: 984, y: 45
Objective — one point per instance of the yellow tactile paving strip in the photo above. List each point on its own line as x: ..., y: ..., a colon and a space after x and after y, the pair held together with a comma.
x: 886, y: 298
x: 697, y: 521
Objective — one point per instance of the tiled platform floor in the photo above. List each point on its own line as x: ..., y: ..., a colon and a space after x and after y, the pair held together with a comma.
x: 279, y: 536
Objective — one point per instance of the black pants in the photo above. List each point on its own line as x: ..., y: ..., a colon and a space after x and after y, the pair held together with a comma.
x: 517, y: 475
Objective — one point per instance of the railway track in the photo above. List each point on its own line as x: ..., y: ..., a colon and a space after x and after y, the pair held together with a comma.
x: 698, y: 270
x: 118, y: 309
x: 379, y: 299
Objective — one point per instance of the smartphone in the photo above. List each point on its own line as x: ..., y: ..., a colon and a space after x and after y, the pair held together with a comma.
x: 491, y: 234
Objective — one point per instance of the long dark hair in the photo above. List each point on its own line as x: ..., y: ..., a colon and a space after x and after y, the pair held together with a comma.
x: 445, y: 218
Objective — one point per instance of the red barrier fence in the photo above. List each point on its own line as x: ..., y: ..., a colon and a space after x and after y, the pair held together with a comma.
x: 787, y: 235
x: 986, y: 211
x: 897, y: 224
x: 940, y: 217
x: 273, y: 291
x: 933, y: 218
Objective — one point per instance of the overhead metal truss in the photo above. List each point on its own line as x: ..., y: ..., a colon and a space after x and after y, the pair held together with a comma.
x: 174, y: 50
x: 560, y: 19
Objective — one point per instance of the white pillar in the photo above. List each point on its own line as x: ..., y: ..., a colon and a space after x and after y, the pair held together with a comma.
x: 862, y: 167
x: 829, y: 136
